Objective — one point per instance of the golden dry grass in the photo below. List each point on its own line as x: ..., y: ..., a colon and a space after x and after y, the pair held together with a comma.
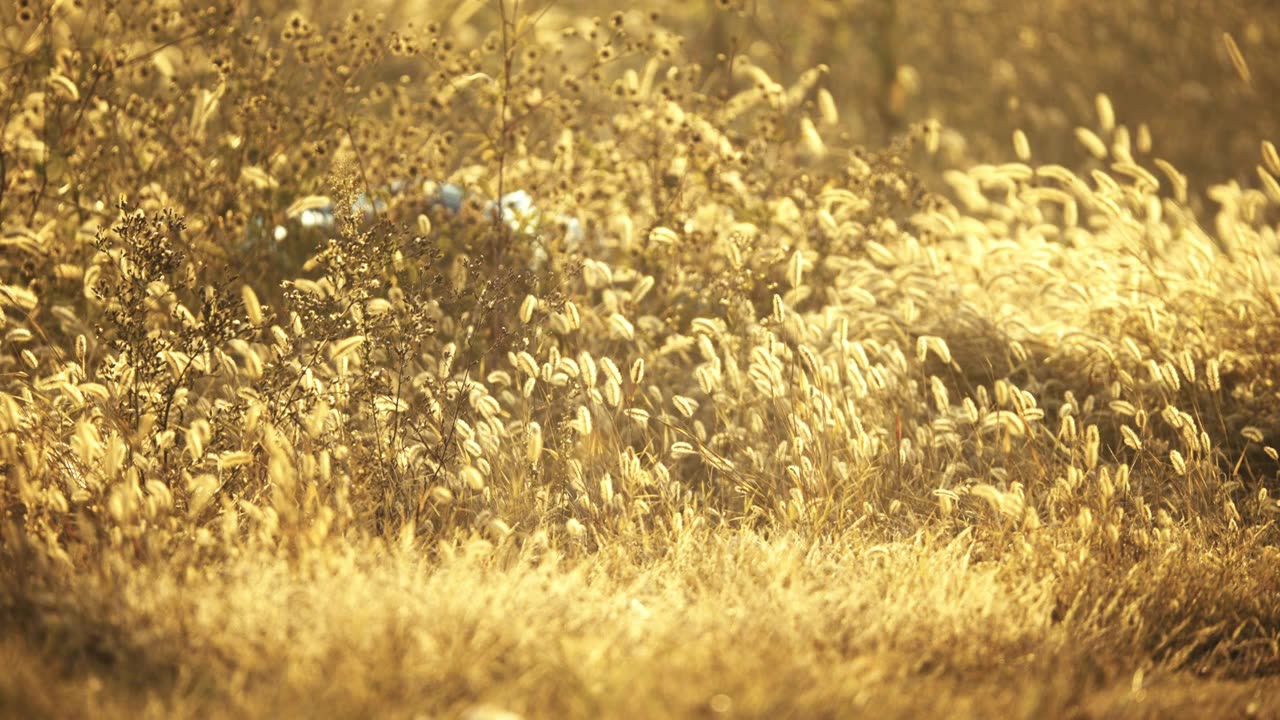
x: 766, y: 627
x: 755, y: 416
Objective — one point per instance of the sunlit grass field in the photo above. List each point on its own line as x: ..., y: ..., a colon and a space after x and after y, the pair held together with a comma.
x: 499, y: 360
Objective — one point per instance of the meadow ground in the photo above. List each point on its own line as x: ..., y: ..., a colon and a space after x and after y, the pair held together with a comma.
x: 713, y: 624
x: 792, y: 392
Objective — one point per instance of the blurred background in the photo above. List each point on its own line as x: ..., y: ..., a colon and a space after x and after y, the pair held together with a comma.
x: 984, y: 68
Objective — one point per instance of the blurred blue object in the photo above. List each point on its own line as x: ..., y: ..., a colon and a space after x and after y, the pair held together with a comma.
x: 517, y: 208
x: 450, y: 196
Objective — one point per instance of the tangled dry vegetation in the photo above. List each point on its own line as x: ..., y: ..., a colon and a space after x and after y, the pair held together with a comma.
x: 744, y: 421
